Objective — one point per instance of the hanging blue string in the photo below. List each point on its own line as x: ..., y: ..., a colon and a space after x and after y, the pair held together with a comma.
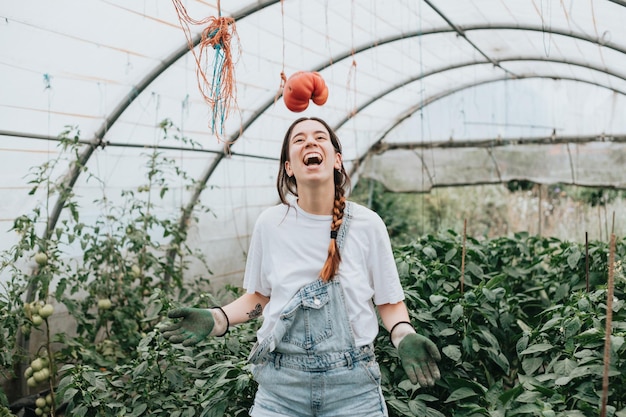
x: 218, y: 90
x: 218, y: 112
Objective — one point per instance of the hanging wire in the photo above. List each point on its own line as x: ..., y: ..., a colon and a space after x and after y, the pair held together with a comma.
x: 47, y: 81
x: 595, y: 28
x: 421, y: 115
x: 283, y: 77
x: 351, y: 82
x: 547, y: 48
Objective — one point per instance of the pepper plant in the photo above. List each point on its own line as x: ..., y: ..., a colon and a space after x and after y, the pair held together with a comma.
x: 520, y: 334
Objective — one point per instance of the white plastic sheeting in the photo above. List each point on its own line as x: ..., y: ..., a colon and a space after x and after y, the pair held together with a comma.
x: 478, y: 91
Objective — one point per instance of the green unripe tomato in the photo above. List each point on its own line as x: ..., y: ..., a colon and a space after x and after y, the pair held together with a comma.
x: 41, y: 376
x: 37, y: 320
x: 31, y: 382
x: 49, y: 399
x: 39, y: 411
x: 104, y: 304
x: 46, y: 311
x: 41, y: 258
x: 34, y: 307
x: 28, y: 372
x: 40, y: 402
x: 37, y: 364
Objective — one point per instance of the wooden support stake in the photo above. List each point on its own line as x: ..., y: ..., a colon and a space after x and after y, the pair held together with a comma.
x: 463, y: 256
x: 609, y: 319
x: 587, y: 259
x: 613, y: 223
x: 539, y: 214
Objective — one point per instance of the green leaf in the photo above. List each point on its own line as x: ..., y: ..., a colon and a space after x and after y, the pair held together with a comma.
x: 460, y: 394
x: 450, y: 255
x: 69, y: 394
x: 564, y: 380
x: 141, y: 369
x: 564, y: 367
x: 552, y: 323
x: 430, y: 252
x: 530, y: 365
x: 448, y: 331
x: 510, y: 394
x: 200, y: 383
x: 476, y: 270
x: 80, y: 411
x: 408, y: 386
x: 541, y: 347
x: 417, y: 408
x: 573, y: 258
x: 138, y: 410
x: 453, y: 352
x: 436, y: 299
x: 456, y: 313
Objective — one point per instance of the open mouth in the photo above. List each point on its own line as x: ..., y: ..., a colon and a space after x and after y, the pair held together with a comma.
x: 312, y: 159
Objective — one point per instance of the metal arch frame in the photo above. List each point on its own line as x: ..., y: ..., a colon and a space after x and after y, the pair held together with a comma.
x: 488, y: 144
x: 375, y: 147
x: 98, y: 140
x: 446, y: 93
x: 469, y: 85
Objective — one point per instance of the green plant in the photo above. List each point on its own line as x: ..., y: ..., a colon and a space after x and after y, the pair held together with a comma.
x: 209, y: 380
x: 519, y: 332
x: 110, y: 273
x: 523, y: 338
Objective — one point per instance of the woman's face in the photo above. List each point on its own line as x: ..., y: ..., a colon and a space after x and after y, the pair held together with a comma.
x: 312, y: 156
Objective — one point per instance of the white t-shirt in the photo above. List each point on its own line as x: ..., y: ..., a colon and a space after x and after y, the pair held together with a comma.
x: 289, y: 247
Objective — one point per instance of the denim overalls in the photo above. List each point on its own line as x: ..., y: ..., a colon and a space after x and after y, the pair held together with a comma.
x: 310, y: 366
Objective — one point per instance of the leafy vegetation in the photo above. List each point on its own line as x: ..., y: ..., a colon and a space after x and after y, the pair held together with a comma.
x: 563, y: 211
x: 523, y: 338
x: 112, y: 276
x: 521, y: 328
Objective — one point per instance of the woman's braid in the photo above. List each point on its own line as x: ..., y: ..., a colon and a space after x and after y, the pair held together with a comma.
x: 331, y: 266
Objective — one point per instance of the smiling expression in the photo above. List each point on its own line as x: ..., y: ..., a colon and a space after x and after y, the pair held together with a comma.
x: 312, y: 156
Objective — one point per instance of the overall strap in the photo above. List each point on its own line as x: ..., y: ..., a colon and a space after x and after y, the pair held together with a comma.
x: 343, y: 229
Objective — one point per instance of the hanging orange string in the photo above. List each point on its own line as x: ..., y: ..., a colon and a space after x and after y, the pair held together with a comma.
x: 219, y: 90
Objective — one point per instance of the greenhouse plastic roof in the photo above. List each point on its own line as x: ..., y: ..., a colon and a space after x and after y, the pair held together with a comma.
x: 423, y: 94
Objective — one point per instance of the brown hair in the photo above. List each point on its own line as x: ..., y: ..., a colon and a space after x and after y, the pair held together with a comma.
x: 287, y: 185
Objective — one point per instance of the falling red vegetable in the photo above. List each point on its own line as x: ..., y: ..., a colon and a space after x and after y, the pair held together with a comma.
x: 303, y: 86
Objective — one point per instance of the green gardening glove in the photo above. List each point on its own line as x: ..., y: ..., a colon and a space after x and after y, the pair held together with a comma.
x: 418, y: 355
x: 195, y: 326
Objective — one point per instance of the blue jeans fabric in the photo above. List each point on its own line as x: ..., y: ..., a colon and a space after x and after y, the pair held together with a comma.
x: 310, y: 366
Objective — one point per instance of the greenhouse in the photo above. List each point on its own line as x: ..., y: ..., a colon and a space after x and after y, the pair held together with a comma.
x: 141, y: 142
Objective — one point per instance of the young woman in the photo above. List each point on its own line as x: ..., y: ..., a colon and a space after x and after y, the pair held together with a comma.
x: 317, y: 269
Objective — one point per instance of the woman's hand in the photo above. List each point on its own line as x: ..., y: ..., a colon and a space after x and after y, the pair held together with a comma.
x: 195, y: 325
x: 419, y: 356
